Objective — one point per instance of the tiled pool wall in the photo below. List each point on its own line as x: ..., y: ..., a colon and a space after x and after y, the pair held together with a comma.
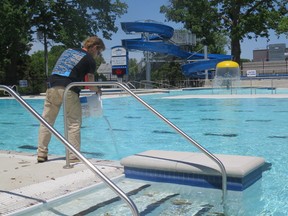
x: 199, y: 180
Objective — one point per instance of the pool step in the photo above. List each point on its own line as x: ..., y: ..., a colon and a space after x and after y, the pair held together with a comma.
x: 161, y: 204
x: 195, y: 169
x: 88, y: 200
x: 150, y: 200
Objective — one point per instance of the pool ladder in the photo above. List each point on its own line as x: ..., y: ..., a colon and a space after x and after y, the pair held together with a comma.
x: 124, y: 87
x: 94, y: 169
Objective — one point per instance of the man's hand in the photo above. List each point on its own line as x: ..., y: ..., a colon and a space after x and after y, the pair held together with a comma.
x: 98, y: 90
x: 91, y: 78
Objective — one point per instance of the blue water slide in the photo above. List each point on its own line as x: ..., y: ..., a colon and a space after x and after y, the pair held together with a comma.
x: 155, y: 46
x: 157, y: 41
x: 190, y: 69
x: 163, y: 31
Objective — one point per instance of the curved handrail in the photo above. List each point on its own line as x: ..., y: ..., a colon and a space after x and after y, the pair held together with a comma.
x: 12, y: 87
x: 196, y: 144
x: 153, y: 83
x: 75, y: 151
x: 130, y: 84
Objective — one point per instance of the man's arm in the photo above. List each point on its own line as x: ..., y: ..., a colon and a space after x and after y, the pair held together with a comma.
x: 91, y: 78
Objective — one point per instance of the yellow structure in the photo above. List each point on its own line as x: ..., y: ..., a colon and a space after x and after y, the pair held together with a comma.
x: 227, y: 69
x: 227, y: 74
x: 227, y: 64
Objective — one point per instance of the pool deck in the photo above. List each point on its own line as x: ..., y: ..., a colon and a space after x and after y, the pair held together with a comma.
x: 228, y: 96
x: 24, y: 182
x: 108, y: 93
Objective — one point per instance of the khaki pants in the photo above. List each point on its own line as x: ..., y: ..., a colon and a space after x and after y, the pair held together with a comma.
x: 53, y: 102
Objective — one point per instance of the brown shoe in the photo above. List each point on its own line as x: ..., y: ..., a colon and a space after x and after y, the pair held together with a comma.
x: 42, y: 159
x: 74, y: 160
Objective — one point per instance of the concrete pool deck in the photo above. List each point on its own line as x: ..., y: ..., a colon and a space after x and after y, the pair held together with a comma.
x: 190, y: 96
x: 24, y: 182
x: 227, y: 96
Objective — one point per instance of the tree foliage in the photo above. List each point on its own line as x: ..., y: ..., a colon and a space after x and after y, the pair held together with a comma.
x: 15, y: 34
x: 235, y: 18
x: 70, y: 22
x: 283, y: 26
x: 169, y: 72
x: 35, y: 74
x: 133, y: 68
x: 61, y: 21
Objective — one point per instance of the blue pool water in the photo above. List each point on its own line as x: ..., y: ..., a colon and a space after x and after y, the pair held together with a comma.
x: 256, y: 127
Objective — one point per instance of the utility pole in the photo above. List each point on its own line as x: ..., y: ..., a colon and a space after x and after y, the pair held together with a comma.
x: 41, y: 35
x: 286, y: 59
x: 148, y: 63
x: 206, y: 58
x: 46, y: 54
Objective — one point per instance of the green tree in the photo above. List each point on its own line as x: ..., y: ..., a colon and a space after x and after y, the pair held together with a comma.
x: 283, y: 26
x: 64, y: 22
x: 99, y: 60
x: 70, y: 22
x: 168, y: 72
x: 133, y: 68
x: 217, y: 47
x: 235, y: 18
x: 35, y: 74
x: 15, y: 35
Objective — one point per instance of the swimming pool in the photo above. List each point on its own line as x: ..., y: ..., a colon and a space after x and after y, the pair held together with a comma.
x: 151, y: 199
x: 256, y: 127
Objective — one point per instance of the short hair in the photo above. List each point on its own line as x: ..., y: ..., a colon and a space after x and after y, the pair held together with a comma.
x: 92, y: 41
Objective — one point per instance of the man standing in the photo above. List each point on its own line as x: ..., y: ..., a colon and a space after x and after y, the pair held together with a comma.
x: 72, y: 66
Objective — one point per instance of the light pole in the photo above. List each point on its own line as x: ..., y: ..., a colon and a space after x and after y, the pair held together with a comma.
x: 42, y: 35
x: 286, y: 59
x: 286, y: 63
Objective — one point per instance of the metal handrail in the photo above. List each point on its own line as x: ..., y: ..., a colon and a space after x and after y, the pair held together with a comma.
x: 12, y: 87
x: 196, y: 144
x: 75, y: 151
x: 147, y: 82
x: 130, y: 84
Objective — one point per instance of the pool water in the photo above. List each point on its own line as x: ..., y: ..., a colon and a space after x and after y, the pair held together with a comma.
x: 235, y: 91
x: 151, y: 199
x: 255, y: 127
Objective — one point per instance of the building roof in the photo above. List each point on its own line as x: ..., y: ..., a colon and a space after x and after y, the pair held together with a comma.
x: 105, y: 68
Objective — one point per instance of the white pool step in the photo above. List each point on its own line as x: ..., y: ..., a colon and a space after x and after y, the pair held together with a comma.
x: 102, y: 202
x: 194, y: 169
x: 81, y: 201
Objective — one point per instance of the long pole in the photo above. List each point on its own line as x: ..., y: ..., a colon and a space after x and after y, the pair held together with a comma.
x: 45, y: 54
x: 206, y: 71
x: 286, y: 64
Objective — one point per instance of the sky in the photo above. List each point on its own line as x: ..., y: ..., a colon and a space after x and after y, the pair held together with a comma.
x: 140, y: 10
